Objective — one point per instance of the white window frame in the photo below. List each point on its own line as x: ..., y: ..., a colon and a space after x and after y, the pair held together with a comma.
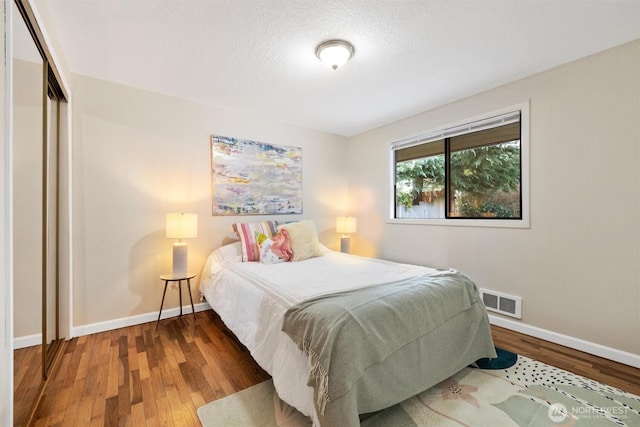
x: 475, y: 222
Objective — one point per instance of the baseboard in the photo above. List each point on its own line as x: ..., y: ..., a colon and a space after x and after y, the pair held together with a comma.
x: 27, y: 341
x: 123, y: 322
x: 571, y: 342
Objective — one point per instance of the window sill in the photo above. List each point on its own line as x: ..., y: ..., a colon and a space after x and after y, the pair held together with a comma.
x: 490, y: 223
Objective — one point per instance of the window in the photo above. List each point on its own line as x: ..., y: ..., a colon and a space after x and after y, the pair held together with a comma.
x: 467, y: 172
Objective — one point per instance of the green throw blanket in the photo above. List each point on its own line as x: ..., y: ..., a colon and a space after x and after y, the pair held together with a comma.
x: 349, y: 334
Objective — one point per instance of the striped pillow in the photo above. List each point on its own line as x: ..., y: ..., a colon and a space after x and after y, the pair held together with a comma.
x: 248, y: 234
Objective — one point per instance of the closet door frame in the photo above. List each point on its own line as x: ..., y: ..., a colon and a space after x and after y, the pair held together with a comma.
x: 53, y: 95
x: 50, y: 195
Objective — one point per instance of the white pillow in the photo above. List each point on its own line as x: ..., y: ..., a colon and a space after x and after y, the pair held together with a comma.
x: 231, y: 251
x: 304, y: 240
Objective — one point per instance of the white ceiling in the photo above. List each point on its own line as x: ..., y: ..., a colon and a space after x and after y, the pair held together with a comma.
x: 258, y: 56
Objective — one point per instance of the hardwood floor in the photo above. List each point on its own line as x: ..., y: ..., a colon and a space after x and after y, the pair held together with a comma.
x: 27, y: 380
x: 136, y: 376
x: 605, y: 371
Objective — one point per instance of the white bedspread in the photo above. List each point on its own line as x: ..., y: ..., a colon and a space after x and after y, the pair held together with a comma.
x: 252, y: 298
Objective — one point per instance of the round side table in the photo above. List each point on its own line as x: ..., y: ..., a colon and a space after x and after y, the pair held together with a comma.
x: 171, y: 278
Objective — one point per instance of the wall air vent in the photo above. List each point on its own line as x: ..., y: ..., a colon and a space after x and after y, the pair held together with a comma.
x: 502, y: 303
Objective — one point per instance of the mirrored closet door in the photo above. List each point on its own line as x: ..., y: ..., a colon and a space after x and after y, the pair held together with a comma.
x: 36, y: 212
x: 51, y: 242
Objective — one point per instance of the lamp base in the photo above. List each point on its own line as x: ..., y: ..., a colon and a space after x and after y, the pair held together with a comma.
x: 180, y: 250
x: 345, y: 244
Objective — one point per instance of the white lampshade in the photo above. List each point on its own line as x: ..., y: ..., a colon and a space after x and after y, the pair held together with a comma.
x: 182, y: 226
x: 334, y: 53
x: 346, y: 224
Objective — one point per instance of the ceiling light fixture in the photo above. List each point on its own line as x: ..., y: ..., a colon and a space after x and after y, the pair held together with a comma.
x: 334, y: 53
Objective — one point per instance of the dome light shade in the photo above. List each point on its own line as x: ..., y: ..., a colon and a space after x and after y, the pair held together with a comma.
x: 334, y: 53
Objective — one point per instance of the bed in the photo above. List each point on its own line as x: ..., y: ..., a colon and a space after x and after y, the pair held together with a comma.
x: 352, y: 356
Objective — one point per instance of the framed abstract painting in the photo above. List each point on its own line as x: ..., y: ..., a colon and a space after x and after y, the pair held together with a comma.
x: 255, y: 178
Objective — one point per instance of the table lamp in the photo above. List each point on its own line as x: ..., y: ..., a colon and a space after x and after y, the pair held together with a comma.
x: 345, y: 225
x: 181, y: 226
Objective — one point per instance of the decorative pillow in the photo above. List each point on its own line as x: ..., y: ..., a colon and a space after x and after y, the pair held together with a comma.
x: 249, y: 233
x: 276, y: 250
x: 260, y: 238
x: 282, y: 245
x: 304, y: 240
x: 267, y: 256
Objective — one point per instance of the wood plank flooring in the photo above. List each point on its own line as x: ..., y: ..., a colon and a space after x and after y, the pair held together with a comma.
x: 136, y: 376
x: 27, y: 380
x: 605, y: 371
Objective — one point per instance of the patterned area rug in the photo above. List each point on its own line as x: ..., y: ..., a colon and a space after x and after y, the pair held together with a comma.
x: 529, y: 393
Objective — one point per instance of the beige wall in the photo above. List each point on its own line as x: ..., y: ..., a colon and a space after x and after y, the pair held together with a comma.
x: 138, y: 155
x: 577, y: 266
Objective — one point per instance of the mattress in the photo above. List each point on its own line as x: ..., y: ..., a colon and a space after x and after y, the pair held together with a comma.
x: 252, y: 298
